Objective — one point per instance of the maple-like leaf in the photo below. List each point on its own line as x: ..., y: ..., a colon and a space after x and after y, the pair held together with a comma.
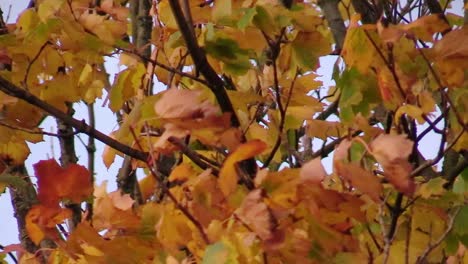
x: 228, y: 174
x: 56, y: 183
x: 392, y: 152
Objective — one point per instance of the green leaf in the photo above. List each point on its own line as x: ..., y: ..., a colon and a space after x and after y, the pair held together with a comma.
x: 219, y: 253
x: 459, y: 226
x: 228, y: 51
x: 247, y: 18
x: 308, y: 47
x: 11, y: 180
x: 264, y: 21
x: 353, y: 86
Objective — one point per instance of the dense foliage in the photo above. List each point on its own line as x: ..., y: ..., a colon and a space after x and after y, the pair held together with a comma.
x: 219, y: 102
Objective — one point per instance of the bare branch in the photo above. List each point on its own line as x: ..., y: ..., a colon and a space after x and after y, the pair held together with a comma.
x: 192, y: 155
x: 335, y: 21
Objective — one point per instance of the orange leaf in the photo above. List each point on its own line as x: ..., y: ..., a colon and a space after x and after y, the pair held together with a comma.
x: 360, y: 178
x: 41, y: 221
x: 56, y: 183
x: 392, y: 152
x: 228, y: 174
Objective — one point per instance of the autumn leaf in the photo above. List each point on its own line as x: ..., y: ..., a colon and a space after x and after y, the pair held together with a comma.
x: 177, y: 103
x: 113, y: 210
x: 313, y: 172
x: 392, y: 152
x: 228, y: 174
x: 255, y: 214
x: 41, y: 221
x: 56, y: 183
x: 357, y: 176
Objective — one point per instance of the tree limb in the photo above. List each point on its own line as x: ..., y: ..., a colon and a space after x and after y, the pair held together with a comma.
x: 335, y: 21
x: 81, y: 126
x: 216, y: 84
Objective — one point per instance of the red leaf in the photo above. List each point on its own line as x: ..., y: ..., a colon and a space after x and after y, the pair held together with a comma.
x: 57, y: 183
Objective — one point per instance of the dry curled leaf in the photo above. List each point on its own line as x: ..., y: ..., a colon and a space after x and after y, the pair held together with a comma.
x: 392, y: 152
x: 255, y: 214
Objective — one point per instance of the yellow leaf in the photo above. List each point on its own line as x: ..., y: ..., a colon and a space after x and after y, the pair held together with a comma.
x: 165, y: 14
x: 181, y: 173
x: 323, y: 129
x: 34, y: 231
x: 48, y: 8
x: 228, y: 174
x: 221, y: 9
x: 85, y: 75
x: 426, y: 26
x: 92, y: 251
x: 173, y: 229
x: 427, y: 102
x: 411, y: 110
x: 358, y: 50
x: 433, y: 187
x: 147, y: 186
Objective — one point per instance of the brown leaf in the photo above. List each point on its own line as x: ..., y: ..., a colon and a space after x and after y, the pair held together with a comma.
x: 360, y: 178
x: 255, y: 214
x: 176, y: 103
x: 392, y: 152
x: 449, y: 46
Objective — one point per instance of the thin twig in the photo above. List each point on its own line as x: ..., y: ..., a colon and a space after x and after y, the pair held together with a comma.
x: 30, y: 131
x: 165, y: 67
x: 26, y: 76
x: 422, y: 258
x: 430, y: 163
x: 192, y: 155
x: 387, y: 242
x: 165, y: 190
x: 11, y: 255
x: 275, y: 47
x: 215, y: 83
x: 91, y: 149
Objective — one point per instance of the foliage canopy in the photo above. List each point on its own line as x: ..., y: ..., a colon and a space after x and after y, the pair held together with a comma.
x: 220, y: 103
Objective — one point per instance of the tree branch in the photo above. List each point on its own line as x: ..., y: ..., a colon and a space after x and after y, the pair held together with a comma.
x: 67, y: 157
x: 335, y: 21
x: 216, y: 84
x: 81, y: 126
